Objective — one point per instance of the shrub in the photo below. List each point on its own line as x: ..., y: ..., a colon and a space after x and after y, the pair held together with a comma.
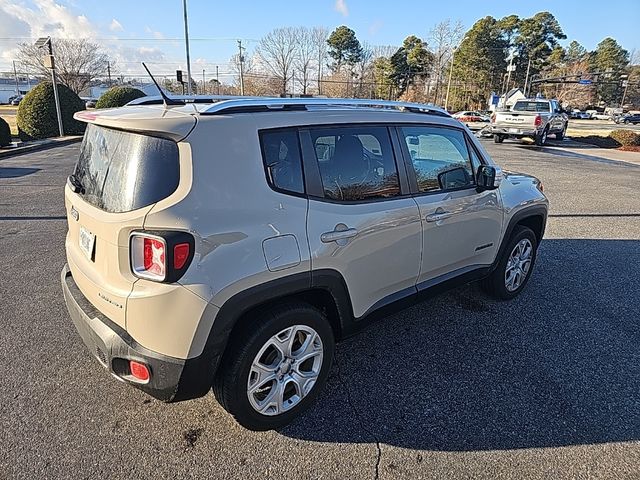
x: 118, y: 97
x: 37, y: 116
x: 5, y: 133
x: 626, y: 138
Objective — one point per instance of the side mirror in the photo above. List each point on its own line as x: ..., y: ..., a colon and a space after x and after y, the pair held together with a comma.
x: 455, y: 178
x: 486, y: 178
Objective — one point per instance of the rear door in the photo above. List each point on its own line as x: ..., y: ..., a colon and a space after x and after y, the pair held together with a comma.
x: 461, y: 227
x: 116, y: 181
x: 362, y: 221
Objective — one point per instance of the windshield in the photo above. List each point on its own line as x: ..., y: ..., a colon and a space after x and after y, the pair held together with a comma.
x: 531, y: 107
x: 122, y: 171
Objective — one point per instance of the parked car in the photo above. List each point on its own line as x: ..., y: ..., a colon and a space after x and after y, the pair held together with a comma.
x: 629, y: 119
x: 15, y: 100
x: 231, y: 244
x: 534, y: 119
x: 579, y: 115
x: 598, y: 115
x: 90, y: 103
x: 470, y: 117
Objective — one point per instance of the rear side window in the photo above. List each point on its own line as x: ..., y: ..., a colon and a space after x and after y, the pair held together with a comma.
x: 356, y: 163
x: 122, y: 171
x: 281, y: 156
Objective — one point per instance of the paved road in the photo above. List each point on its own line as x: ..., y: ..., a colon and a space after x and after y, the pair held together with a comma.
x: 546, y: 386
x: 605, y: 126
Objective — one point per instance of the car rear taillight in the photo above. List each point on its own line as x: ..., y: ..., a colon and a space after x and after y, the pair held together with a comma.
x: 538, y: 121
x: 149, y: 257
x: 160, y: 256
x: 180, y: 255
x: 493, y: 118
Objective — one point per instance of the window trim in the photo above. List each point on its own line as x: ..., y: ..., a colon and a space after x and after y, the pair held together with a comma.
x: 267, y: 175
x: 413, y: 181
x: 314, y: 185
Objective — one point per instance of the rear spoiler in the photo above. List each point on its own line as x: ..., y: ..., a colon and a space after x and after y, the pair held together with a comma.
x: 171, y: 124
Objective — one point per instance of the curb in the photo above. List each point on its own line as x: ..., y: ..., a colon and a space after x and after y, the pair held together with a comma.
x: 42, y: 145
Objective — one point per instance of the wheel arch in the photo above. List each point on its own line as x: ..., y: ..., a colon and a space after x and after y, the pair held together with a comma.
x: 325, y: 290
x: 533, y: 217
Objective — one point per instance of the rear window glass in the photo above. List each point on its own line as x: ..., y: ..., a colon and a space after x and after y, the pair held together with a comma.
x: 123, y: 171
x: 531, y: 107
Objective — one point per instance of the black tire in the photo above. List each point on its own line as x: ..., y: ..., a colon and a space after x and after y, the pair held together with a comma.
x: 230, y: 384
x: 560, y: 135
x: 542, y: 138
x: 498, y: 138
x: 494, y: 284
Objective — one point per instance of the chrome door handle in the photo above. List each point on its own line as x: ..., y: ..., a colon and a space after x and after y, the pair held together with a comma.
x: 337, y: 235
x: 435, y: 217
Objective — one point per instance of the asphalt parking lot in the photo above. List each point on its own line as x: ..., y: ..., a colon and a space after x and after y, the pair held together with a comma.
x: 546, y: 386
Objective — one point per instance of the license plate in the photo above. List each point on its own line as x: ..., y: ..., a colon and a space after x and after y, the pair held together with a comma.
x: 87, y: 241
x: 513, y: 130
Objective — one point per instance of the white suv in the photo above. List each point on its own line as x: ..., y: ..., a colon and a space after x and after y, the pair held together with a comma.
x: 230, y: 244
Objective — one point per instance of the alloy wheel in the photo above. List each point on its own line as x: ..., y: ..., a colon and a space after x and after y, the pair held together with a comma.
x: 518, y: 265
x: 285, y: 370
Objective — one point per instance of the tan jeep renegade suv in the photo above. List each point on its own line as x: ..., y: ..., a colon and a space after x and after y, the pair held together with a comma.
x: 230, y: 244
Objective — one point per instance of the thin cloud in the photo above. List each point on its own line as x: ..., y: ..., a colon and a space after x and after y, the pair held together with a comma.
x: 115, y: 26
x: 341, y: 7
x: 375, y: 27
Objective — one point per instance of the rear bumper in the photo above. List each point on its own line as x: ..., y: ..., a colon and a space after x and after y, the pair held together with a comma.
x: 172, y: 379
x: 514, y: 131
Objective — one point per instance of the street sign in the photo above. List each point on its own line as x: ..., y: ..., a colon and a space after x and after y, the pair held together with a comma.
x: 585, y: 82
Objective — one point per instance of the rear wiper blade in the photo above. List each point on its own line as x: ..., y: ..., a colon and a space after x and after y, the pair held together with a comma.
x: 74, y: 184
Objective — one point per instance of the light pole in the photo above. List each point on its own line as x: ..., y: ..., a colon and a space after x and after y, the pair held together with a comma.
x: 625, y: 84
x: 204, y: 87
x: 446, y: 99
x: 186, y: 44
x: 50, y: 63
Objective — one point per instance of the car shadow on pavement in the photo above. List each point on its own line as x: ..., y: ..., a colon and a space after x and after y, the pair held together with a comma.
x: 557, y: 366
x: 16, y: 172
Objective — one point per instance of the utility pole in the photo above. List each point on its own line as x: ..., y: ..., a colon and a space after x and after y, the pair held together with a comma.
x: 446, y: 99
x: 204, y: 85
x: 217, y: 80
x: 241, y: 59
x: 526, y: 79
x: 49, y: 62
x: 15, y: 74
x: 186, y: 44
x: 109, y: 71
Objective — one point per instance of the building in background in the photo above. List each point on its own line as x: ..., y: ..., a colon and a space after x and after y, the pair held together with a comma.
x: 8, y: 87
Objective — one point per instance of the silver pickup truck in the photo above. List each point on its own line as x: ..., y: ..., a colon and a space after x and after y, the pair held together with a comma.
x: 530, y: 119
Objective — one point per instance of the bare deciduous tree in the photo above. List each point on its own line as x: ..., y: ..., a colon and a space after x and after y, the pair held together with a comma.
x: 305, y: 56
x: 364, y: 70
x: 320, y: 35
x: 277, y: 52
x: 444, y: 37
x: 78, y: 62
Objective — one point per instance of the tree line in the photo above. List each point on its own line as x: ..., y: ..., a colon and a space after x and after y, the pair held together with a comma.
x: 448, y: 65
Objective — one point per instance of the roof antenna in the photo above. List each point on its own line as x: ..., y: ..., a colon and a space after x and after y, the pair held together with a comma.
x: 165, y: 99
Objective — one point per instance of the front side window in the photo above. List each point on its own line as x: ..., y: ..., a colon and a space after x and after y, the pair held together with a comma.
x: 440, y: 158
x: 281, y: 156
x: 356, y: 163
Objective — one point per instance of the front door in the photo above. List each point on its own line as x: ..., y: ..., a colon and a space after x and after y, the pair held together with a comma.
x: 461, y: 227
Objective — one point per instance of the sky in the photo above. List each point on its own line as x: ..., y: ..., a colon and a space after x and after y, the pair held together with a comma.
x: 152, y: 30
